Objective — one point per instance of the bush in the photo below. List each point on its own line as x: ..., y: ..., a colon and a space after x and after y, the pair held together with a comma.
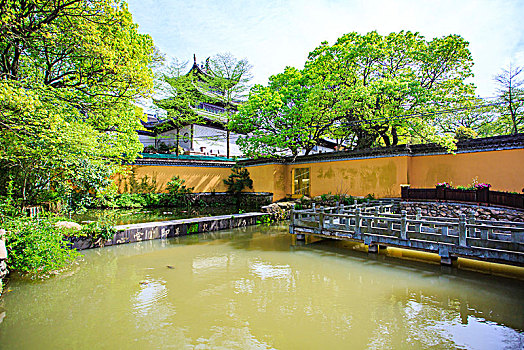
x: 176, y: 186
x: 238, y: 180
x: 36, y: 246
x: 149, y: 149
x: 99, y: 232
x: 130, y: 200
x: 163, y: 148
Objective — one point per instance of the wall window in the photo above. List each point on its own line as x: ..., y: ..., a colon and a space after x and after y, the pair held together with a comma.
x: 301, y: 181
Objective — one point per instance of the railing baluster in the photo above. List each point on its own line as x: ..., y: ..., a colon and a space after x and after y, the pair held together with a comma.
x: 403, y: 224
x: 462, y: 230
x: 471, y: 221
x: 418, y: 225
x: 321, y: 219
x: 357, y: 220
x: 484, y: 234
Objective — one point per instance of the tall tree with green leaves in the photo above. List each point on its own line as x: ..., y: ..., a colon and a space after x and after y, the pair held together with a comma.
x: 69, y: 73
x: 365, y: 91
x: 511, y: 96
x: 287, y: 116
x: 230, y: 80
x: 180, y: 93
x: 380, y: 82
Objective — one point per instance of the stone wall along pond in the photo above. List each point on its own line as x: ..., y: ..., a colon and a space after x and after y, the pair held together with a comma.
x: 453, y: 210
x: 173, y: 228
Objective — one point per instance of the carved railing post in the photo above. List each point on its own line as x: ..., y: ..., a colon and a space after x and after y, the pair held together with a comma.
x: 321, y: 219
x: 403, y: 225
x: 462, y: 230
x: 358, y: 212
x: 471, y: 221
x: 418, y: 216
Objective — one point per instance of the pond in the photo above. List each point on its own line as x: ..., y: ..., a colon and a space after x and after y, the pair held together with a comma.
x: 134, y: 216
x: 253, y: 288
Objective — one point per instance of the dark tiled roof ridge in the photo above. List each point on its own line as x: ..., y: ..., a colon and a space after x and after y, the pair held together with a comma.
x: 481, y: 144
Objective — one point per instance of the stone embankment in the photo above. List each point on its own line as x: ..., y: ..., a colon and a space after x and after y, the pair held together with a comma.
x: 279, y: 210
x: 172, y: 228
x: 454, y: 210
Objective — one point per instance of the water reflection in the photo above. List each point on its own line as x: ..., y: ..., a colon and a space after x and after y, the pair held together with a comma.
x: 252, y: 288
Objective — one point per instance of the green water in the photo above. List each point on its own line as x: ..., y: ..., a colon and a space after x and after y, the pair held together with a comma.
x: 133, y: 216
x: 252, y: 288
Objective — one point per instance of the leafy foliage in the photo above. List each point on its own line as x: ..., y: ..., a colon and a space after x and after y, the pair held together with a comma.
x: 98, y: 232
x: 462, y: 133
x: 176, y: 186
x: 36, y: 246
x: 238, y: 180
x: 69, y: 72
x: 364, y: 90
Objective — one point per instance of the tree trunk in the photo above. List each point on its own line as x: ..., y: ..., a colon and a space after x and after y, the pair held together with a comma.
x: 227, y: 146
x: 365, y: 139
x: 394, y: 134
x: 177, y: 141
x: 385, y: 137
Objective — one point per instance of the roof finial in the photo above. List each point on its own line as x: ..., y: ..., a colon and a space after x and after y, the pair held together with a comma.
x: 194, y: 58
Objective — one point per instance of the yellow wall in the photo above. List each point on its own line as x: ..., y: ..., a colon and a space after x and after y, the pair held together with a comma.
x: 381, y: 176
x: 271, y: 178
x: 504, y: 169
x: 203, y: 179
x: 359, y: 177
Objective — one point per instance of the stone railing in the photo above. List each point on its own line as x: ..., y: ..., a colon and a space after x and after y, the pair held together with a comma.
x: 500, y: 241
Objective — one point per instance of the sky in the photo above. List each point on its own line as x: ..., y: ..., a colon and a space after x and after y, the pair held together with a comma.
x: 274, y: 34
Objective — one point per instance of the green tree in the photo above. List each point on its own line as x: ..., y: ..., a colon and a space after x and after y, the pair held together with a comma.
x: 380, y: 80
x: 286, y: 116
x: 480, y: 118
x: 69, y: 73
x: 364, y: 91
x: 238, y: 181
x: 511, y: 96
x: 230, y: 81
x: 180, y: 93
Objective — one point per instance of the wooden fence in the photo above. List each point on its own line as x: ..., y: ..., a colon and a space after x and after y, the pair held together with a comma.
x: 484, y: 196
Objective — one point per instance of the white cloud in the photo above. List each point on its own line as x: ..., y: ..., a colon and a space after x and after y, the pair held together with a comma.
x: 276, y: 33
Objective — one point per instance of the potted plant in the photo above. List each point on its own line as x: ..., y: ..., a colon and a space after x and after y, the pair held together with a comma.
x: 482, y: 192
x: 441, y: 189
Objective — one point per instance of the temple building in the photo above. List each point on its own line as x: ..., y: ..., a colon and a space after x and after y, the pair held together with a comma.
x: 195, y: 121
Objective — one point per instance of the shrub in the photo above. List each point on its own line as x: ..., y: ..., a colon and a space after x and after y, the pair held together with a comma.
x: 130, y: 200
x: 480, y: 186
x: 444, y: 185
x: 176, y: 186
x: 36, y: 246
x: 99, y: 232
x: 238, y: 180
x: 149, y: 149
x: 163, y: 148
